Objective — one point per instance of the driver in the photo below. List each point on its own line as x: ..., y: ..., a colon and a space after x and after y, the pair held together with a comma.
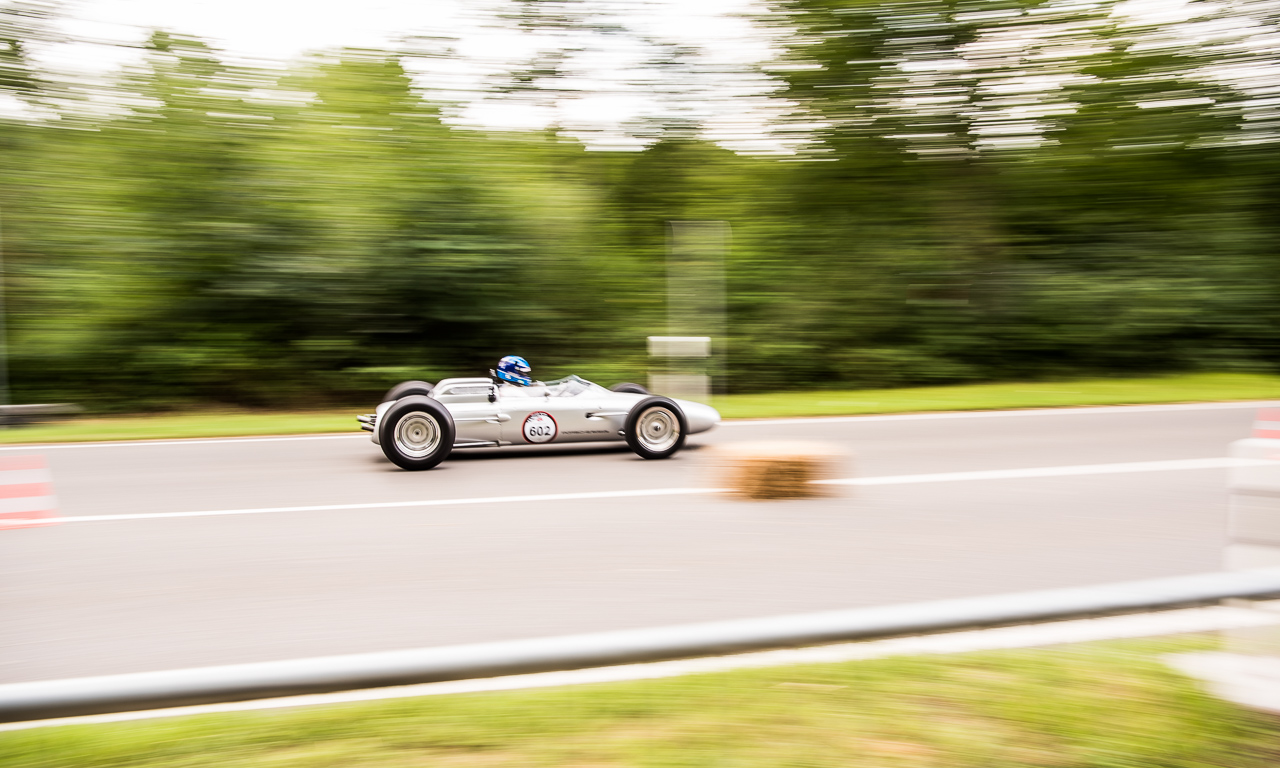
x: 513, y: 374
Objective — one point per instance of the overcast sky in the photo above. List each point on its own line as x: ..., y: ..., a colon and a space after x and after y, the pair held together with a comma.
x: 281, y: 29
x: 277, y: 31
x: 613, y: 88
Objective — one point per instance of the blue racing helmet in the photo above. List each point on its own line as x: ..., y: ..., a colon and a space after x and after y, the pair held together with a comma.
x: 514, y: 369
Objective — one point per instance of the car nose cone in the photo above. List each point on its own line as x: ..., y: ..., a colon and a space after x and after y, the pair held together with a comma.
x: 699, y: 417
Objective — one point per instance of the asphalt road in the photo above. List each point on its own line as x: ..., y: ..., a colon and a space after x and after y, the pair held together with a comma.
x: 144, y: 593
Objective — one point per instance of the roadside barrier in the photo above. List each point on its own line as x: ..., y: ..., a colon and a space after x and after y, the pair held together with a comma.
x: 159, y: 690
x: 1254, y: 521
x: 26, y: 492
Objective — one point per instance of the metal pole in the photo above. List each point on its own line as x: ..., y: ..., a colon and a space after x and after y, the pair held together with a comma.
x: 696, y: 301
x: 184, y: 687
x: 4, y: 340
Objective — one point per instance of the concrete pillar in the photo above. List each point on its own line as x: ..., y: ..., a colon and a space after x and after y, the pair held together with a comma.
x: 686, y: 374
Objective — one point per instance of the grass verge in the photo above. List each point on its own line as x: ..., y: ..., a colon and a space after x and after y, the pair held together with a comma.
x: 183, y: 425
x: 1099, y: 705
x: 1203, y: 387
x: 1199, y: 387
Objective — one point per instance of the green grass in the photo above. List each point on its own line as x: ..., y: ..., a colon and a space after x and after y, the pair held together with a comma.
x: 1203, y: 387
x: 192, y: 424
x: 1104, y: 705
x: 1199, y: 387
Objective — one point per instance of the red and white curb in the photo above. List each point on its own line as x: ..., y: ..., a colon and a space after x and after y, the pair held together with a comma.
x: 1267, y: 425
x: 26, y: 493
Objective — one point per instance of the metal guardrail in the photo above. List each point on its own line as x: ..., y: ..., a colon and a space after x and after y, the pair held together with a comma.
x: 34, y: 412
x: 159, y: 690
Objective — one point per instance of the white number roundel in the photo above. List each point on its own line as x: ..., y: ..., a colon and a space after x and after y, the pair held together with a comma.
x: 540, y: 428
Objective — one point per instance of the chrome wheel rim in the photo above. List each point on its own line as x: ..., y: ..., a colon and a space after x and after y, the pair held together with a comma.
x: 417, y: 435
x: 658, y: 429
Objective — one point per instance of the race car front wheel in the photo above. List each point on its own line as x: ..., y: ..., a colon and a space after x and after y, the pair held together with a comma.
x: 655, y: 428
x: 416, y: 433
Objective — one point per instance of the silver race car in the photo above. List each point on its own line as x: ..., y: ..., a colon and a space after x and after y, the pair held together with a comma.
x: 418, y: 424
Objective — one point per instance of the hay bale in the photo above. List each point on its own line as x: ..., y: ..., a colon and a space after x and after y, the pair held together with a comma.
x: 777, y: 470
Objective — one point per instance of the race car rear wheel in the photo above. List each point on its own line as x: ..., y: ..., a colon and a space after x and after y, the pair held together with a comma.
x: 406, y: 388
x: 629, y: 388
x: 655, y: 428
x: 416, y: 433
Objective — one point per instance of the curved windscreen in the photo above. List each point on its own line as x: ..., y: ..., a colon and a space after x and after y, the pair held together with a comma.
x: 570, y: 386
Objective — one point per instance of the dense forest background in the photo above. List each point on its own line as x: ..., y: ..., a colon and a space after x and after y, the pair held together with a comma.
x: 950, y: 191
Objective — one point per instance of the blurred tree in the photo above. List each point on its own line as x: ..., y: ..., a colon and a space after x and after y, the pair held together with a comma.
x: 23, y: 24
x: 1047, y: 175
x: 982, y: 189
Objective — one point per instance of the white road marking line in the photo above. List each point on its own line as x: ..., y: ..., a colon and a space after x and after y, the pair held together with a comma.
x: 1062, y: 411
x: 1067, y: 471
x: 396, y: 504
x: 1023, y: 636
x: 994, y: 474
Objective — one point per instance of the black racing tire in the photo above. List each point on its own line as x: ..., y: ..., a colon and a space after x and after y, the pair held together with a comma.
x: 406, y: 388
x: 416, y: 433
x: 629, y: 388
x: 655, y: 428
